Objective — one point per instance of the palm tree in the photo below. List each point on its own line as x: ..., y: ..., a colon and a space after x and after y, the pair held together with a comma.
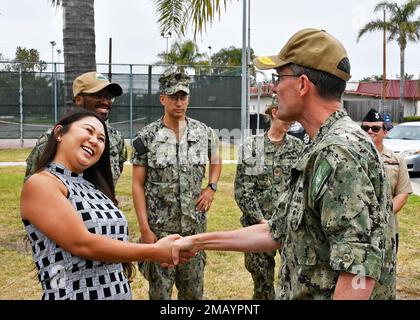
x: 401, y: 28
x: 183, y: 53
x: 180, y: 15
x: 79, y: 29
x: 78, y: 41
x: 231, y: 57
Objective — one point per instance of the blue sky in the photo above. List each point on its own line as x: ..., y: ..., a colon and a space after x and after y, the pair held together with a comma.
x: 136, y: 37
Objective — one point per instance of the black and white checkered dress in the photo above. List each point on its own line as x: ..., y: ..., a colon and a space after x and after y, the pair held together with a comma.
x: 66, y: 276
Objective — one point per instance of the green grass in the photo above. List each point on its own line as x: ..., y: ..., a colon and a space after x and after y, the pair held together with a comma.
x: 14, y: 155
x: 225, y: 276
x: 18, y: 155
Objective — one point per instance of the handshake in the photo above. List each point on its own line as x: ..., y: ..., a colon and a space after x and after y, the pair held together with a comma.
x: 174, y: 249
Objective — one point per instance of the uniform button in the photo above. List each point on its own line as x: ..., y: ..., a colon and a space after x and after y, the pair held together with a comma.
x: 346, y: 257
x: 277, y: 171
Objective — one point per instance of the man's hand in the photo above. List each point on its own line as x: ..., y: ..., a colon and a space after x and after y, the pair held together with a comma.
x: 205, y: 200
x: 183, y: 247
x: 164, y: 247
x: 148, y: 237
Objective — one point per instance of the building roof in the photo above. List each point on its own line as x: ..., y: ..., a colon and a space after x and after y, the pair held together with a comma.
x: 266, y: 90
x: 374, y: 88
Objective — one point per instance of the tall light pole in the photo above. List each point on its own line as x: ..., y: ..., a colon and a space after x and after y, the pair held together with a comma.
x: 59, y: 52
x: 53, y: 43
x: 54, y: 87
x: 166, y: 36
x: 209, y: 47
x: 244, y: 83
x: 384, y: 89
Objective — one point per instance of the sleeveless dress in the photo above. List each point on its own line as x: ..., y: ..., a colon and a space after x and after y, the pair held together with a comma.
x: 64, y: 276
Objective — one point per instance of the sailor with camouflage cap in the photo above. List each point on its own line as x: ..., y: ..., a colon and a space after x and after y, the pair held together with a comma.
x: 169, y: 160
x: 264, y: 165
x: 91, y: 91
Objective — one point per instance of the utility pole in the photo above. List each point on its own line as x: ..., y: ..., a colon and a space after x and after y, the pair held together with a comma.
x: 384, y: 84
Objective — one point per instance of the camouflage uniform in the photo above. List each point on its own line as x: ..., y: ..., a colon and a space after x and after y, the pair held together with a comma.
x: 175, y: 171
x: 337, y: 216
x: 261, y: 177
x: 117, y: 153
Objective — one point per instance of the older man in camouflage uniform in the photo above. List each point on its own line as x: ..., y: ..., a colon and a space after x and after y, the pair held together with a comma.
x: 93, y: 92
x: 335, y: 221
x: 265, y: 163
x: 169, y: 160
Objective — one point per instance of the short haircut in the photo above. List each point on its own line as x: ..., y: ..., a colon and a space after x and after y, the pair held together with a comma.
x: 328, y: 86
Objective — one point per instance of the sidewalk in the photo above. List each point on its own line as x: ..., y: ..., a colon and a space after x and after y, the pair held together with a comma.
x: 15, y: 143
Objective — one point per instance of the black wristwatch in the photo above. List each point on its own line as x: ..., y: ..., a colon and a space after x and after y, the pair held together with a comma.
x: 212, y: 186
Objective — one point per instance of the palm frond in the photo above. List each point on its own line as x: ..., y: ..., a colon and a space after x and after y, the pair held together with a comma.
x: 375, y: 25
x: 170, y: 15
x: 181, y: 15
x: 386, y: 5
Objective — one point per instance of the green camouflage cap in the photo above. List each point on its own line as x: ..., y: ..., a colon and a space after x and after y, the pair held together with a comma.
x: 174, y: 80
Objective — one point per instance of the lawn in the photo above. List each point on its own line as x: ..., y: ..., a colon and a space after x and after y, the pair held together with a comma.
x: 225, y: 277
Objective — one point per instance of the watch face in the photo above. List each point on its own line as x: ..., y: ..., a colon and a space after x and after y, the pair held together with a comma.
x: 213, y: 186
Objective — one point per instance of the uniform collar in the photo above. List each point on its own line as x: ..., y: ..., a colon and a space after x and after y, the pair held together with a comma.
x: 331, y: 120
x: 165, y: 134
x: 325, y: 128
x: 386, y: 152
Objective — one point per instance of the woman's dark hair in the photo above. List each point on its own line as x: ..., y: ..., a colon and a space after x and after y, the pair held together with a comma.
x: 99, y: 174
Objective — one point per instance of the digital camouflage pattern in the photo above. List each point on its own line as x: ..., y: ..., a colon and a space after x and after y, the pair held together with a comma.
x: 342, y: 174
x: 337, y: 217
x: 173, y: 184
x: 117, y: 153
x: 173, y: 80
x: 261, y: 176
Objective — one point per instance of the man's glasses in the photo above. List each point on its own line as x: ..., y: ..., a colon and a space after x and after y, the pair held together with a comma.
x: 100, y: 96
x: 375, y: 129
x: 174, y: 97
x: 277, y: 77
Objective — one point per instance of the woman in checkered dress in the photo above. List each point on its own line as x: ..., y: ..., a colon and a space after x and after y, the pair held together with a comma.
x: 68, y: 207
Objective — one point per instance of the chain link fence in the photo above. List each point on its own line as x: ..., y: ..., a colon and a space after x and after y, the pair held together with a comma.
x: 31, y: 102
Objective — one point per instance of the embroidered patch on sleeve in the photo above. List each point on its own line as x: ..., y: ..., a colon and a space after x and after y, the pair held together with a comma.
x: 322, y: 173
x: 139, y: 147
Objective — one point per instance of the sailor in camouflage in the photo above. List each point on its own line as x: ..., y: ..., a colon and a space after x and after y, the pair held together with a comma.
x: 335, y: 223
x: 169, y: 161
x: 336, y: 216
x: 94, y: 92
x: 264, y: 166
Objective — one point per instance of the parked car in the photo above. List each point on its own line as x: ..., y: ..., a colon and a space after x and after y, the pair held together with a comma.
x: 404, y: 139
x: 298, y: 131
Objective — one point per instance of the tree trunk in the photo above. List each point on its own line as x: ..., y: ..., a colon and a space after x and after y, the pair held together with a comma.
x: 78, y: 42
x: 402, y: 83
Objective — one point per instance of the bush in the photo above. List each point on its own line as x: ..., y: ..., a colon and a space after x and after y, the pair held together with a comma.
x: 412, y: 118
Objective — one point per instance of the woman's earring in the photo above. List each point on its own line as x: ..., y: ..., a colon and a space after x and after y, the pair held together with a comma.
x: 59, y: 139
